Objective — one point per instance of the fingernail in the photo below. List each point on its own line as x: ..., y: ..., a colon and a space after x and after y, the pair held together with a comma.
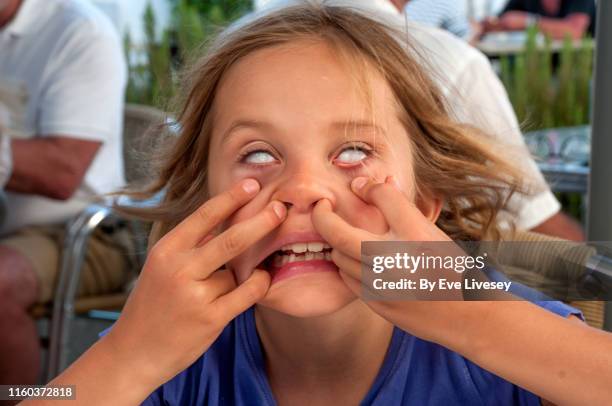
x: 279, y: 209
x: 250, y: 186
x: 359, y: 183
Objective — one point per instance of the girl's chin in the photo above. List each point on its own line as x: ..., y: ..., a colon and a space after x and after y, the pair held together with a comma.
x: 309, y: 295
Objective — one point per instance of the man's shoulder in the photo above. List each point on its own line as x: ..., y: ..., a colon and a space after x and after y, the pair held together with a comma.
x: 450, y: 54
x: 81, y: 16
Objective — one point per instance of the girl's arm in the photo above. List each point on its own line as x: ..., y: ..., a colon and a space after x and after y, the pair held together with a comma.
x: 180, y: 305
x: 104, y: 376
x: 560, y: 360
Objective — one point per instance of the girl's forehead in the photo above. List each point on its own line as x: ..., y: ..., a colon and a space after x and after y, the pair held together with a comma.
x: 303, y: 80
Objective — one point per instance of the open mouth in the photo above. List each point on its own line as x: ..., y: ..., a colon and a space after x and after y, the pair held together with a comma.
x: 297, y: 252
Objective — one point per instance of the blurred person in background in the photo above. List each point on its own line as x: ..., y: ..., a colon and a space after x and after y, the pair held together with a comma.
x: 556, y: 18
x: 62, y: 80
x: 450, y: 15
x: 477, y: 97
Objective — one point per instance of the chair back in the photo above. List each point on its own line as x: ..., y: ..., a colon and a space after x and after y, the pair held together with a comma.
x: 142, y: 131
x: 533, y: 265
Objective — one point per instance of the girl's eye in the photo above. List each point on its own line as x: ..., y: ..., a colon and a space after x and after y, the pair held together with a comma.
x: 258, y: 157
x: 351, y: 155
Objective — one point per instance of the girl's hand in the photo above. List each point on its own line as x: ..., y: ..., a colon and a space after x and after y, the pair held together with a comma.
x: 406, y: 223
x: 182, y: 301
x: 517, y: 340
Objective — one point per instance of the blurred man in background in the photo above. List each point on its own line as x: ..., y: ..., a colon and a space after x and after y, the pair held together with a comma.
x: 476, y: 96
x: 62, y: 80
x: 556, y: 18
x: 450, y: 15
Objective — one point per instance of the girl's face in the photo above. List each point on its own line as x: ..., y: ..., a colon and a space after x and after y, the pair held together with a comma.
x: 292, y: 117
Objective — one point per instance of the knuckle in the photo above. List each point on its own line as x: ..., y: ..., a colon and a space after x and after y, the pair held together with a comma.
x: 158, y: 255
x: 253, y: 292
x: 232, y: 242
x: 336, y: 256
x: 378, y: 188
x: 218, y: 315
x: 235, y: 196
x: 207, y: 214
x: 342, y: 241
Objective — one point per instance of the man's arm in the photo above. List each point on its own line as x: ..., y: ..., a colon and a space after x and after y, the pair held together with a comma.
x: 575, y: 25
x: 561, y: 225
x: 51, y: 166
x: 80, y: 113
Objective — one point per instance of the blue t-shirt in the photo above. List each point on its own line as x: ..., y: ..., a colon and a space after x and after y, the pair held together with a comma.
x: 414, y: 372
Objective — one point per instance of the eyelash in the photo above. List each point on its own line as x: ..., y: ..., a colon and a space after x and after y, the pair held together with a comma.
x: 363, y: 147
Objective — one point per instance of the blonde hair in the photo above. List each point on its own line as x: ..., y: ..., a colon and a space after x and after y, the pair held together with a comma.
x: 452, y: 161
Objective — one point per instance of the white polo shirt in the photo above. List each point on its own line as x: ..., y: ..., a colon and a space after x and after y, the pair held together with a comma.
x: 65, y: 58
x: 475, y: 95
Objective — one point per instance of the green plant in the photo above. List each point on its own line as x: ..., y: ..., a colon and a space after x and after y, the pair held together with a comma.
x: 219, y: 11
x: 153, y: 68
x: 547, y: 90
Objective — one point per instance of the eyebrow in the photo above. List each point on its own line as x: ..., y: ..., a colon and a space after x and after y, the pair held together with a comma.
x: 360, y: 125
x: 245, y: 123
x: 336, y: 126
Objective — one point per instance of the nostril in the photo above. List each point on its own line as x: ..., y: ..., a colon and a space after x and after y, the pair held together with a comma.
x: 288, y: 205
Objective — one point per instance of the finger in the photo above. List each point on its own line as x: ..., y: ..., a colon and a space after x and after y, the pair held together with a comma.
x: 337, y: 232
x: 351, y: 272
x: 204, y: 240
x: 353, y: 284
x: 189, y: 232
x: 360, y: 288
x: 237, y: 238
x: 219, y: 283
x: 388, y: 198
x: 244, y: 296
x: 347, y: 264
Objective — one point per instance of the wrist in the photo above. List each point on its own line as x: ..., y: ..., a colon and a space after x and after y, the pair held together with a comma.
x: 136, y: 370
x: 105, y: 376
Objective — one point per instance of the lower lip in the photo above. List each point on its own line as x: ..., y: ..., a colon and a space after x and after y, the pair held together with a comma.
x: 301, y: 268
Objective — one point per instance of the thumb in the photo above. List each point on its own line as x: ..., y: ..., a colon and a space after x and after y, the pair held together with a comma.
x: 245, y: 295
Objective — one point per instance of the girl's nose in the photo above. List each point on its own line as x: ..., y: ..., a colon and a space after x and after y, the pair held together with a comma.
x: 302, y: 191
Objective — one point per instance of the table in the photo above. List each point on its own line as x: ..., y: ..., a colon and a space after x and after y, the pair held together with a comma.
x: 562, y: 155
x: 498, y: 44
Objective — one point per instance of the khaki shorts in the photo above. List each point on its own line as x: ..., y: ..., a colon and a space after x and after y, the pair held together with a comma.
x: 107, y: 267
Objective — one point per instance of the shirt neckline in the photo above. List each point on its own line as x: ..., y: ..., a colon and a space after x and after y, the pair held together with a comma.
x: 26, y: 20
x: 254, y: 355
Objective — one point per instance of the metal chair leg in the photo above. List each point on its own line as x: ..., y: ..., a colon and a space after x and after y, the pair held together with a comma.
x: 77, y: 237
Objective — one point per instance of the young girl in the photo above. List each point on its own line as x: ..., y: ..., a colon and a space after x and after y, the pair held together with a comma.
x: 306, y: 131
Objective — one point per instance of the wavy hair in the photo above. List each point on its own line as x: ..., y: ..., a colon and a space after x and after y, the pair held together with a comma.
x: 452, y: 161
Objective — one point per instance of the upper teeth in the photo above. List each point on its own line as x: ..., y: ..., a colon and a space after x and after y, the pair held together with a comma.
x: 305, y: 246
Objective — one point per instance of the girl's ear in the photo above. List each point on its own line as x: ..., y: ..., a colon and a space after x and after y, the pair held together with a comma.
x: 430, y: 206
